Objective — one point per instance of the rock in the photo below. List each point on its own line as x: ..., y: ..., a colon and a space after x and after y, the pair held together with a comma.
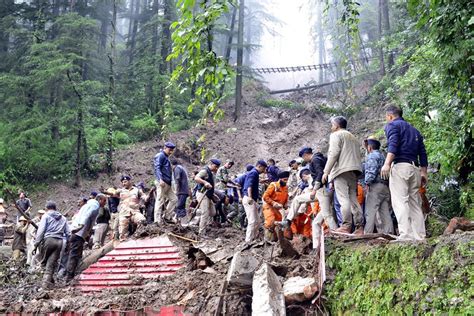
x: 298, y: 289
x: 268, y: 298
x: 241, y: 270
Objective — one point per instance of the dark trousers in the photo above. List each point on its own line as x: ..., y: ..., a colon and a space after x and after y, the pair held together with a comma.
x: 75, y: 255
x: 181, y: 206
x: 150, y: 211
x: 50, y: 252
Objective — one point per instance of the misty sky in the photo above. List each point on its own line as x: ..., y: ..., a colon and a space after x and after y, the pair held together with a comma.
x: 290, y: 47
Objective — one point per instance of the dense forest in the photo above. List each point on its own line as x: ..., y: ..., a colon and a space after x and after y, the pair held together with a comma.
x: 80, y: 78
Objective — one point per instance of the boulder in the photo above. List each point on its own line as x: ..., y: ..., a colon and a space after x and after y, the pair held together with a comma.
x: 268, y: 298
x: 298, y: 289
x: 241, y: 270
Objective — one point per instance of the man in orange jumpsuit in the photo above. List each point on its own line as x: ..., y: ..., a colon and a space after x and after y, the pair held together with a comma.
x: 275, y: 199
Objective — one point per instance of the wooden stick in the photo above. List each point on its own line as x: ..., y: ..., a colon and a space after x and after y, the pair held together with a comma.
x: 221, y: 297
x: 26, y: 216
x: 183, y: 238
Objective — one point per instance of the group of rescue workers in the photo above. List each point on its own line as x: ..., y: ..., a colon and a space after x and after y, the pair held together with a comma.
x: 335, y: 192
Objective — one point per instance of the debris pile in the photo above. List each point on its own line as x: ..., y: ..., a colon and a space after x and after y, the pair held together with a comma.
x: 215, y: 275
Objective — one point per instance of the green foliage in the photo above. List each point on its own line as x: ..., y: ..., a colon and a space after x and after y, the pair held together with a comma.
x: 435, y: 91
x: 145, y: 126
x: 54, y: 81
x: 447, y: 196
x: 277, y: 103
x: 200, y: 67
x: 401, y: 278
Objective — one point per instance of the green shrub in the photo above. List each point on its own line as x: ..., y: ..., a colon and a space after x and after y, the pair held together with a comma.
x: 144, y: 127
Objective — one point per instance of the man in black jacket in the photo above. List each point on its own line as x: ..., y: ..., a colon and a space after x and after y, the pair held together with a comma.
x: 317, y: 162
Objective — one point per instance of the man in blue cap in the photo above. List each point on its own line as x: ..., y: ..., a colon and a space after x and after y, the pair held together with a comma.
x: 377, y: 194
x: 164, y: 192
x: 206, y: 185
x: 251, y: 196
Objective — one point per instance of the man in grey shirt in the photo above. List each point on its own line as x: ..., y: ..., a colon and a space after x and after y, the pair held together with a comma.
x: 182, y: 187
x: 81, y: 230
x: 24, y: 204
x: 51, y: 231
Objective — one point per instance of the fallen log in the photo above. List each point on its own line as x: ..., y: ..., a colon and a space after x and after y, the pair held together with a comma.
x: 95, y: 255
x: 460, y: 223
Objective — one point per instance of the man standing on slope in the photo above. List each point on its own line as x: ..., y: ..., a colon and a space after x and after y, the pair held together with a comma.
x: 406, y: 163
x: 81, y: 230
x: 223, y: 176
x: 251, y: 196
x: 164, y: 192
x: 377, y: 193
x: 52, y: 231
x: 182, y: 187
x: 206, y: 184
x: 343, y: 167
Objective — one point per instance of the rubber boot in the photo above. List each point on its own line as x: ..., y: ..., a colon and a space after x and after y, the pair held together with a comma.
x: 343, y: 229
x: 359, y: 231
x: 269, y: 235
x: 48, y: 281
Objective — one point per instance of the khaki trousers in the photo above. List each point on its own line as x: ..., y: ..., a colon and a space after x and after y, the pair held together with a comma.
x: 377, y: 201
x: 164, y: 194
x: 324, y: 198
x: 17, y: 254
x: 298, y: 205
x: 251, y: 210
x: 345, y: 185
x: 135, y: 218
x: 99, y: 234
x: 405, y: 182
x: 208, y: 211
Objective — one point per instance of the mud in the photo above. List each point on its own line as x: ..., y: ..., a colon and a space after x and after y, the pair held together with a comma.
x: 195, y: 289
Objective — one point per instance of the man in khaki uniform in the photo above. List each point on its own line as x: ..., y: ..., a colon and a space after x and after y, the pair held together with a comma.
x: 129, y: 207
x: 343, y: 167
x: 223, y: 176
x: 406, y: 163
x: 206, y: 185
x: 19, y: 238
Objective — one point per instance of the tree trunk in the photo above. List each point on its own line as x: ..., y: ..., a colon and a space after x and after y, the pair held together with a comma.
x: 111, y: 96
x: 166, y: 42
x: 379, y: 24
x: 321, y: 47
x: 240, y: 50
x: 228, y: 47
x: 7, y: 9
x: 248, y: 42
x: 130, y: 21
x: 133, y: 36
x: 386, y: 24
x: 104, y: 29
x: 79, y: 145
x: 149, y: 88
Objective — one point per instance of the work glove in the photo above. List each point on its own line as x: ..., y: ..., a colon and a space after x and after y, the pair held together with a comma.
x: 286, y: 223
x: 277, y: 205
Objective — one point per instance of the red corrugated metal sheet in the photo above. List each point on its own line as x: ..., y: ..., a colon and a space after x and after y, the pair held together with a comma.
x: 131, y: 260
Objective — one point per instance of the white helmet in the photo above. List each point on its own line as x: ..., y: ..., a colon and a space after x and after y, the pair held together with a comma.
x: 1, y: 201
